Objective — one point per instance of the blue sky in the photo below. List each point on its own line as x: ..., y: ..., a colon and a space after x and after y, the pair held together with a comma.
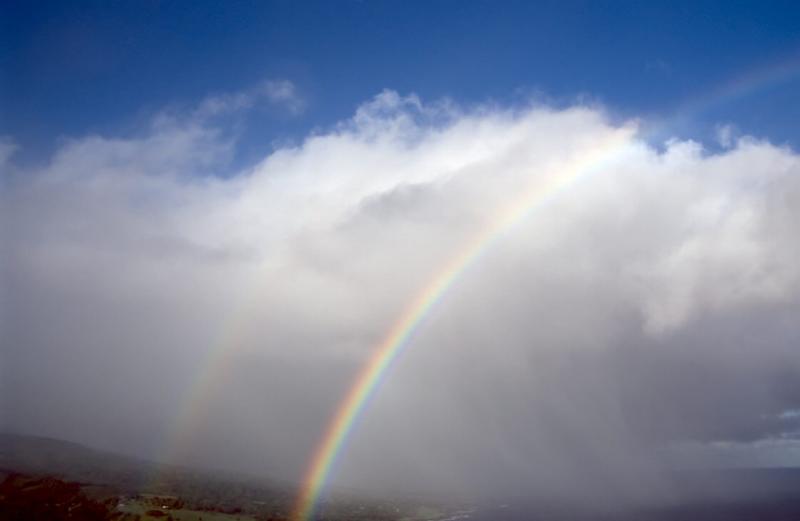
x: 77, y: 68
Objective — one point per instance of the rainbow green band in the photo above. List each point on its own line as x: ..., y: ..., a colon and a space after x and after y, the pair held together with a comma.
x: 399, y: 336
x: 218, y: 361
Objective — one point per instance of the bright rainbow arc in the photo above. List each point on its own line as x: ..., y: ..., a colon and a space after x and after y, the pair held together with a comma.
x: 403, y: 330
x: 398, y: 337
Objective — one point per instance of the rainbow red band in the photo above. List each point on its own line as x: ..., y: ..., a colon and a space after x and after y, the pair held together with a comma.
x: 399, y: 336
x: 379, y: 364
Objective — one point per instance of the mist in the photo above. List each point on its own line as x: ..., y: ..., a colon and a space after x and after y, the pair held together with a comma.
x: 644, y: 318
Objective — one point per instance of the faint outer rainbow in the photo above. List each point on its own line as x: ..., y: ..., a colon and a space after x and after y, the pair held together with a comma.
x: 217, y: 361
x: 734, y: 89
x: 400, y: 334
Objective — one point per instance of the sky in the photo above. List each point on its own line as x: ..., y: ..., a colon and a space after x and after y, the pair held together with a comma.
x: 213, y: 213
x: 78, y: 68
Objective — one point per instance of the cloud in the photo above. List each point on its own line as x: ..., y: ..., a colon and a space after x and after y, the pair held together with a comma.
x: 281, y: 93
x: 725, y: 135
x: 652, y: 302
x: 7, y: 149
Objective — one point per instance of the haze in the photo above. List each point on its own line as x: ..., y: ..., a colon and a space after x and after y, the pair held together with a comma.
x: 179, y: 291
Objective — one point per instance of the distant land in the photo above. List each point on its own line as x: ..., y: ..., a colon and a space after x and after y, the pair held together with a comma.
x: 48, y: 479
x: 43, y: 478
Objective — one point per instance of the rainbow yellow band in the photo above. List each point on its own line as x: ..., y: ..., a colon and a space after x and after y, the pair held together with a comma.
x: 399, y: 336
x: 218, y: 359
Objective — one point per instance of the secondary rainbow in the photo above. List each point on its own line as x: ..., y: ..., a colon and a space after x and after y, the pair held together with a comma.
x: 735, y: 89
x: 216, y: 362
x: 403, y: 330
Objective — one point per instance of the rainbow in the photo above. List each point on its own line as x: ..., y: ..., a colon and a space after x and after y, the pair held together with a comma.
x: 728, y: 92
x: 399, y: 336
x: 217, y: 360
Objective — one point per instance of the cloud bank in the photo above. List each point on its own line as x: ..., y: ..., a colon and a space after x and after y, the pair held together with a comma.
x: 652, y: 303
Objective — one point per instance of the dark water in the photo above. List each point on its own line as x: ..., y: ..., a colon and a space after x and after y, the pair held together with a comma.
x: 730, y: 495
x: 787, y: 510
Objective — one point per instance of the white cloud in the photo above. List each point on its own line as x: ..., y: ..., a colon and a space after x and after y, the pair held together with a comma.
x: 123, y: 260
x: 7, y: 149
x: 725, y: 135
x: 282, y: 93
